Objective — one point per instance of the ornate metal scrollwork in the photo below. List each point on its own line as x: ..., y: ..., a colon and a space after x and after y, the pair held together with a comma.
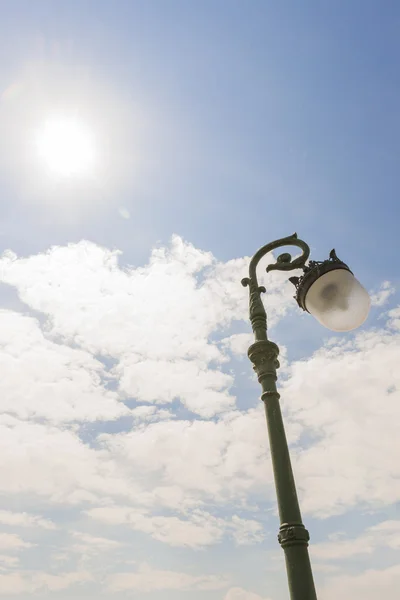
x: 312, y: 272
x: 284, y: 262
x: 264, y: 356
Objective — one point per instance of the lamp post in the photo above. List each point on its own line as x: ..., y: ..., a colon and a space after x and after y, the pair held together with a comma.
x: 330, y: 292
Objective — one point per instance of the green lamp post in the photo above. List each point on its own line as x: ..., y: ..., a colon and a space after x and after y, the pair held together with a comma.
x: 330, y: 292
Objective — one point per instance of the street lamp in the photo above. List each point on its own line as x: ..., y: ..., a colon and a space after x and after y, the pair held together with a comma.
x: 330, y: 292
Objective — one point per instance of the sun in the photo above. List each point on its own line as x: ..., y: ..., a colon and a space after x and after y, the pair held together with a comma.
x: 66, y: 147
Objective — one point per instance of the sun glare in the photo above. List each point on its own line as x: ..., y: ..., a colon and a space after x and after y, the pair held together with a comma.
x: 66, y: 147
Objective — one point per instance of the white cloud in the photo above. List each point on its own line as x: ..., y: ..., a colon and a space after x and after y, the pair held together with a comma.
x: 238, y: 343
x: 237, y: 593
x: 380, y: 297
x: 24, y: 520
x: 12, y: 542
x: 156, y: 321
x: 110, y: 310
x: 232, y: 462
x: 383, y: 535
x: 148, y: 414
x: 90, y: 542
x: 88, y: 549
x: 41, y: 378
x: 55, y: 464
x: 247, y: 531
x: 20, y: 583
x: 147, y: 579
x: 153, y: 467
x: 342, y: 549
x: 394, y: 318
x: 345, y: 396
x: 197, y: 530
x: 7, y: 562
x: 14, y: 583
x: 164, y: 326
x: 318, y: 567
x: 202, y: 390
x: 367, y: 585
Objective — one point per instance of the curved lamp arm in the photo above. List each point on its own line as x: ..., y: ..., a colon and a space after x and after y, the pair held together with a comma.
x: 258, y: 316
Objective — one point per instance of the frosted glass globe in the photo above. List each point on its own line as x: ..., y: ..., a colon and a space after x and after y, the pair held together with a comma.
x: 338, y: 301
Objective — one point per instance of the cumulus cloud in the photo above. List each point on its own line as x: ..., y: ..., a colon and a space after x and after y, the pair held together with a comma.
x: 380, y: 297
x: 88, y: 547
x: 345, y: 396
x: 202, y: 390
x: 54, y: 464
x: 232, y: 463
x: 147, y: 579
x: 383, y: 535
x: 90, y: 421
x: 156, y: 321
x: 7, y: 562
x: 24, y: 519
x: 247, y: 531
x: 18, y: 583
x: 12, y: 542
x: 44, y: 379
x: 197, y: 530
x: 238, y: 343
x: 154, y: 465
x: 367, y: 585
x: 147, y: 414
x: 237, y: 593
x: 394, y: 318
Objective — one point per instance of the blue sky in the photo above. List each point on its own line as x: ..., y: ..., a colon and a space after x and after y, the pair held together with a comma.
x: 136, y: 459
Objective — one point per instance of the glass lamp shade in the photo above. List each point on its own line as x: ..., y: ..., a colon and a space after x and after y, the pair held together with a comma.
x: 338, y: 300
